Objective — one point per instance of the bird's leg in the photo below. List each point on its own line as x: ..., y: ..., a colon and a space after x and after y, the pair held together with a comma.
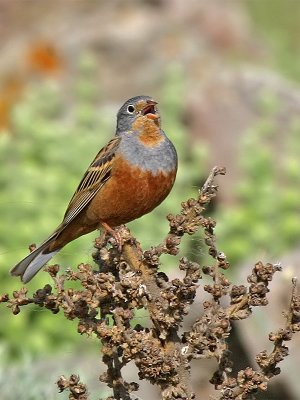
x: 114, y: 234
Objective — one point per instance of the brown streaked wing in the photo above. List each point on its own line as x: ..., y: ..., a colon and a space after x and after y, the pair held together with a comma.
x: 94, y: 178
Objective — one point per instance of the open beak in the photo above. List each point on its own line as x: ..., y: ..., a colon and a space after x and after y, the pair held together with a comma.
x: 149, y: 110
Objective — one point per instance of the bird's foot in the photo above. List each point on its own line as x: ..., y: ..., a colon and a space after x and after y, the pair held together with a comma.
x: 115, y: 234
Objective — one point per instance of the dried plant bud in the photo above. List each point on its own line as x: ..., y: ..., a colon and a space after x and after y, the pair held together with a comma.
x: 53, y: 270
x: 77, y: 389
x: 237, y: 292
x: 32, y: 247
x: 4, y: 298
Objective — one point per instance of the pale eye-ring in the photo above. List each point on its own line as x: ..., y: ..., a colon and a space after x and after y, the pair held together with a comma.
x: 130, y: 109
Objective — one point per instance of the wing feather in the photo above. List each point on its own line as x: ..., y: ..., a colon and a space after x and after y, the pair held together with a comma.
x: 95, y: 177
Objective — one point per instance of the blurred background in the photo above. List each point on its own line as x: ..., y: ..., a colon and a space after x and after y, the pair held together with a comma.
x: 226, y: 75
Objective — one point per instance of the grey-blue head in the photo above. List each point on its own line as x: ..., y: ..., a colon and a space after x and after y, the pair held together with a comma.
x: 134, y: 108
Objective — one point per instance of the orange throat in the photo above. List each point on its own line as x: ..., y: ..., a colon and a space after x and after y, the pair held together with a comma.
x: 150, y: 128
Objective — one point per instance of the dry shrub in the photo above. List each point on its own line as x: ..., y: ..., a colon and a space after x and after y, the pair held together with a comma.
x: 108, y: 295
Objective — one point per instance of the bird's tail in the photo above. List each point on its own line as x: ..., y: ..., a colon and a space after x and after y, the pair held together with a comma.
x: 31, y: 264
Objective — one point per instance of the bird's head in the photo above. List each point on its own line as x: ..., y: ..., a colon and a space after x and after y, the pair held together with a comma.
x: 137, y: 113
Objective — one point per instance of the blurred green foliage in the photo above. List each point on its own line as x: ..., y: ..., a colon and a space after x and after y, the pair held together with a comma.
x: 32, y: 379
x: 278, y: 24
x: 264, y: 222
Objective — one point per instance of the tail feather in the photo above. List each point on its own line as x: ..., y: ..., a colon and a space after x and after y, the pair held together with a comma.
x: 30, y: 265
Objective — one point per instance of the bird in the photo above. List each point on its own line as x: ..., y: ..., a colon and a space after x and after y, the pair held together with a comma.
x: 127, y: 179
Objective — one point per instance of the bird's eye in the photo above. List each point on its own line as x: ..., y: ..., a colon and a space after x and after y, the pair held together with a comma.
x: 130, y: 109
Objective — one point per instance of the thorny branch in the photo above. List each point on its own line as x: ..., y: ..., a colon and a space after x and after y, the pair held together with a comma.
x: 129, y: 280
